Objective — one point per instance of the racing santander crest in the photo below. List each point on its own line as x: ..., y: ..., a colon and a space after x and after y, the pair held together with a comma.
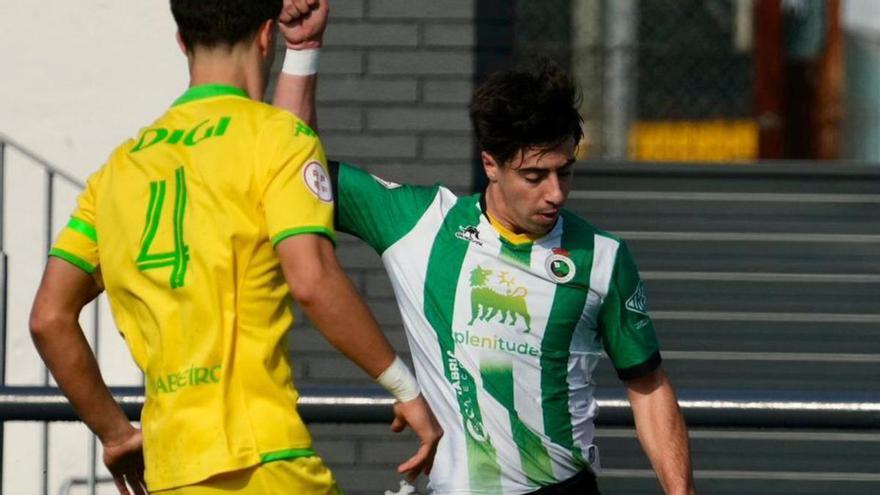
x: 559, y: 266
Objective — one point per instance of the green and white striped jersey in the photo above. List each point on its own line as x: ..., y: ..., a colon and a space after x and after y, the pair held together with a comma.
x: 504, y: 337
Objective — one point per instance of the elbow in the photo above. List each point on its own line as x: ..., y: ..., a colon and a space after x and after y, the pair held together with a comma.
x: 311, y: 287
x: 43, y: 321
x: 306, y: 292
x: 314, y: 284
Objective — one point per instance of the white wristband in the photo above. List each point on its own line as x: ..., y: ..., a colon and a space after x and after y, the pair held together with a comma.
x: 300, y: 62
x: 399, y: 381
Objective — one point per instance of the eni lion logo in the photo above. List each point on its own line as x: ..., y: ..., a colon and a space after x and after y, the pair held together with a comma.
x: 487, y: 303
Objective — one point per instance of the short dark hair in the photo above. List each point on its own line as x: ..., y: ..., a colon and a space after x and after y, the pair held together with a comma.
x: 211, y: 23
x: 533, y: 106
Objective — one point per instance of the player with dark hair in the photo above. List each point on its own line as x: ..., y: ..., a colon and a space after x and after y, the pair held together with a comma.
x: 200, y: 228
x: 509, y: 299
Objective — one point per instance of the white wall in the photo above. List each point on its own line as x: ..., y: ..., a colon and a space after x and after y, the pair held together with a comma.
x: 76, y: 78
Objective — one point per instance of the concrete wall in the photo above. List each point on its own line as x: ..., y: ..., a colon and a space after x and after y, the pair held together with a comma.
x: 77, y: 78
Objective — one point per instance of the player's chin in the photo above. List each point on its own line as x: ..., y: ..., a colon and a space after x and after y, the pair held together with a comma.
x: 545, y: 221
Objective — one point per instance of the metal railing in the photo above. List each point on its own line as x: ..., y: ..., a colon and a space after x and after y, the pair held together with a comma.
x: 701, y: 408
x: 52, y: 174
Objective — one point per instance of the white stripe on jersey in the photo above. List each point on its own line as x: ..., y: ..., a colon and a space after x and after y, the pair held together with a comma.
x: 586, y: 347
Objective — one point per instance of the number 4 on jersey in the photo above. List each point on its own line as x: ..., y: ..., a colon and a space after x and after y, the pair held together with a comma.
x: 179, y: 258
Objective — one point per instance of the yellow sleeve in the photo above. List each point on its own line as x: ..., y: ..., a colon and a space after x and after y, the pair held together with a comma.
x: 78, y: 241
x: 297, y: 194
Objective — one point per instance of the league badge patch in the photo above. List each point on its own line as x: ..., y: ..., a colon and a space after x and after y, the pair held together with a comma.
x: 317, y: 181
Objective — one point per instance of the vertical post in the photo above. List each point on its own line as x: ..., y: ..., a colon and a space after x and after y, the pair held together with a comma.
x: 829, y: 95
x: 621, y: 22
x: 2, y: 226
x: 3, y: 288
x: 50, y: 203
x: 769, y: 79
x: 586, y: 65
x: 91, y: 482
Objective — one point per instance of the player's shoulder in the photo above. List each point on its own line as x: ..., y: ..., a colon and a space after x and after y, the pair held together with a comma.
x: 353, y: 174
x: 273, y: 119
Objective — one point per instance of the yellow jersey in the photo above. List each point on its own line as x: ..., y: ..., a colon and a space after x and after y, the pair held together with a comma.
x: 181, y: 222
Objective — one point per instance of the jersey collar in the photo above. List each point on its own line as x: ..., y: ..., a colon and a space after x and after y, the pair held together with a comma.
x: 203, y: 91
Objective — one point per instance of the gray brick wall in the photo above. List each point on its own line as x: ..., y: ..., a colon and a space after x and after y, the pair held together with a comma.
x: 394, y: 85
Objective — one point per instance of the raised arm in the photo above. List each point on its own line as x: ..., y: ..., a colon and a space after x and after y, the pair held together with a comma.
x: 662, y: 431
x: 56, y: 332
x: 316, y: 280
x: 301, y: 24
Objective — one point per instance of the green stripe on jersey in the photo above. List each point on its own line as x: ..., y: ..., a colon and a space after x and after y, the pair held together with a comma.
x: 555, y: 346
x: 498, y: 381
x: 520, y: 254
x: 83, y: 227
x: 379, y: 213
x: 444, y: 267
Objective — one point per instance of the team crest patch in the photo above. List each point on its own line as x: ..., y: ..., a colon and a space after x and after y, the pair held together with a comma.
x: 559, y: 266
x: 469, y: 233
x: 317, y: 181
x: 638, y: 302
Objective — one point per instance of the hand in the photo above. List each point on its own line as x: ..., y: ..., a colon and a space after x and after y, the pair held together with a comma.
x: 125, y: 460
x: 302, y: 23
x: 418, y: 416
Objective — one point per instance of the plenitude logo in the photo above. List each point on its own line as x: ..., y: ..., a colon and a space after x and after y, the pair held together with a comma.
x: 495, y: 343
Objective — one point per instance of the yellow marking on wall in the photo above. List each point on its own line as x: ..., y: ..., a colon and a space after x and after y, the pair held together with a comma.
x: 696, y: 140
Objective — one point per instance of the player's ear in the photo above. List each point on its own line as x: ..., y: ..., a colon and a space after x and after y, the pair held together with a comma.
x: 266, y: 38
x: 181, y: 44
x: 489, y: 166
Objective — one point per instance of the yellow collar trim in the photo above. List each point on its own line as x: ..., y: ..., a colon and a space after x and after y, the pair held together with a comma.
x: 506, y: 233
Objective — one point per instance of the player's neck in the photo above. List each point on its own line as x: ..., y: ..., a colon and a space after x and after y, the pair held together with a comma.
x: 236, y: 68
x: 500, y: 218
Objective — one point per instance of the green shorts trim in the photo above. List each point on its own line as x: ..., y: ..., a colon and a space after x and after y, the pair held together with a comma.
x: 281, y: 455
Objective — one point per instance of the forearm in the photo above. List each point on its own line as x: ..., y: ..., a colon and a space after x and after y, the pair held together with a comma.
x: 296, y: 94
x: 70, y: 359
x: 343, y: 318
x: 662, y: 433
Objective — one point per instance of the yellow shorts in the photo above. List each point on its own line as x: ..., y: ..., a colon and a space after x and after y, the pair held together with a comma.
x: 300, y: 476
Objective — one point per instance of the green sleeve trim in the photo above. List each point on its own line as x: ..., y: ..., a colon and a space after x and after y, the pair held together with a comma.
x: 641, y: 369
x: 284, y: 234
x: 83, y: 227
x: 282, y: 455
x: 73, y: 259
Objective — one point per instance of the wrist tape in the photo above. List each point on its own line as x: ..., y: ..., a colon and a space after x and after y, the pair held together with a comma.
x: 300, y: 62
x: 399, y: 381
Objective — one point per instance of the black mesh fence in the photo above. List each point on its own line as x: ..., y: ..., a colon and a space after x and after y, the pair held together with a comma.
x: 661, y: 79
